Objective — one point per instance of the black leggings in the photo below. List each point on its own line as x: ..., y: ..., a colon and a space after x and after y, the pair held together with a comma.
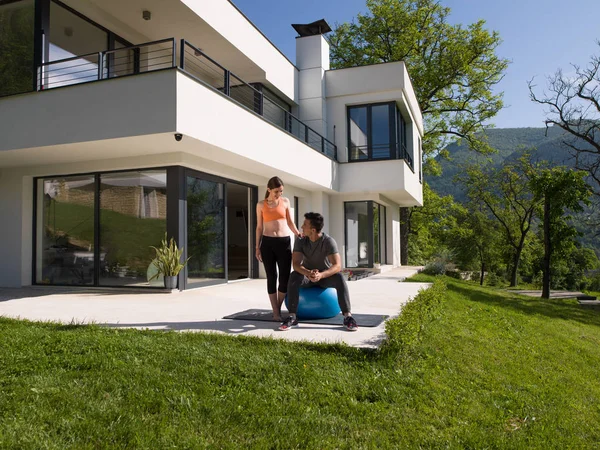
x: 277, y: 252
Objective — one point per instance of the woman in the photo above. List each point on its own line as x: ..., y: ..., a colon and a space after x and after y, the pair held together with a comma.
x: 273, y: 243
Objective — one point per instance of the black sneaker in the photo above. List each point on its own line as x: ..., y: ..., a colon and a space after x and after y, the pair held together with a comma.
x: 288, y: 323
x: 350, y: 323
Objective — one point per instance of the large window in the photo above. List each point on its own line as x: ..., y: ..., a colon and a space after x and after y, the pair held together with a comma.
x: 377, y: 131
x: 133, y: 217
x: 16, y: 46
x: 97, y: 229
x: 65, y: 230
x: 365, y: 234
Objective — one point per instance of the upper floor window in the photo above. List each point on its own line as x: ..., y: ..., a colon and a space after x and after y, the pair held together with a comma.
x: 377, y: 131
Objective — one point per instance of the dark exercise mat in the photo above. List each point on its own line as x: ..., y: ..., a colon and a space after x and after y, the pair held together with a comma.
x: 264, y: 315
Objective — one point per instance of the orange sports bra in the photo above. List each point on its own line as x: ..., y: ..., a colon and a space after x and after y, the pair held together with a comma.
x: 277, y: 213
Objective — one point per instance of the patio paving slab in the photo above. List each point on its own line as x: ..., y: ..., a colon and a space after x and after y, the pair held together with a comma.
x: 202, y: 310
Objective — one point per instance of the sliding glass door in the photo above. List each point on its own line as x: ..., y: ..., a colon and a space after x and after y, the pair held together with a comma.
x: 205, y: 231
x: 365, y: 234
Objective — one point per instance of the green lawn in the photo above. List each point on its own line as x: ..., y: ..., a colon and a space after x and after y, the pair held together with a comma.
x: 491, y: 370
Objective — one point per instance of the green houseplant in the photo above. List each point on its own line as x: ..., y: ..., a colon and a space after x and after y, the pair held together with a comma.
x: 168, y: 262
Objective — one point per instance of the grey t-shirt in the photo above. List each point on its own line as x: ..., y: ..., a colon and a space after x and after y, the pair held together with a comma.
x: 316, y: 253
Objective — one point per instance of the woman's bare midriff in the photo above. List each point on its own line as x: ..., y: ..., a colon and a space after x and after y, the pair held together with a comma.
x: 276, y: 228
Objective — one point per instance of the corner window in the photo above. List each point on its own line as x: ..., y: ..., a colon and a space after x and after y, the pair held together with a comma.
x: 376, y: 132
x: 365, y: 233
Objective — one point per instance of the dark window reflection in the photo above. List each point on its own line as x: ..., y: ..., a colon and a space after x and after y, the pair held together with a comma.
x: 206, y: 231
x: 65, y: 253
x: 133, y: 217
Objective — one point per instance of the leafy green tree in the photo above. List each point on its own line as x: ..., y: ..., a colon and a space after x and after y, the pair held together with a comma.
x: 561, y: 190
x: 506, y: 194
x: 475, y: 240
x: 452, y: 68
x: 429, y: 225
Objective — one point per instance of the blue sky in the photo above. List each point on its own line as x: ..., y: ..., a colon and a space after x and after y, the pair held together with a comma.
x: 538, y: 37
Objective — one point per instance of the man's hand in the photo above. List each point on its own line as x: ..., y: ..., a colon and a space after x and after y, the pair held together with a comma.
x: 315, y: 275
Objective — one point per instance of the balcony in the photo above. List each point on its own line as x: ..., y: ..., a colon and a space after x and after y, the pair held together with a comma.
x: 380, y: 152
x: 161, y: 55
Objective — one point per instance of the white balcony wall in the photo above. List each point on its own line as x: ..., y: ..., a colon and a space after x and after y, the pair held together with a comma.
x: 392, y: 178
x: 239, y: 138
x: 131, y: 106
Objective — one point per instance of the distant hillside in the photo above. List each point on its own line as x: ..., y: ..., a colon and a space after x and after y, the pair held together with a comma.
x: 508, y: 142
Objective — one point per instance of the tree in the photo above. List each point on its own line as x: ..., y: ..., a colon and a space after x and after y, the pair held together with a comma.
x: 475, y: 238
x: 453, y: 69
x: 573, y: 104
x: 506, y: 195
x: 429, y: 224
x: 561, y: 190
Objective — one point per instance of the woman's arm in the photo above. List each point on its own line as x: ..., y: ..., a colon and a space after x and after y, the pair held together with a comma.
x: 288, y: 217
x: 259, y: 230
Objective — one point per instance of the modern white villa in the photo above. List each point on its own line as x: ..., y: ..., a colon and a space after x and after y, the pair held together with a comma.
x: 121, y: 121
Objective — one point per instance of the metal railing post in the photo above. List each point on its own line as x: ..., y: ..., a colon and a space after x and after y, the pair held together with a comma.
x: 182, y: 55
x: 174, y: 63
x: 226, y: 81
x: 306, y: 133
x: 322, y: 144
x: 100, y: 65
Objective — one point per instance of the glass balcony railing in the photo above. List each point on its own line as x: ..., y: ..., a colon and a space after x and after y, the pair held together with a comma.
x: 162, y: 54
x: 380, y: 152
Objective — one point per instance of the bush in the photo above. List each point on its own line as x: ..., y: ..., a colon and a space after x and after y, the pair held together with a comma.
x: 404, y: 332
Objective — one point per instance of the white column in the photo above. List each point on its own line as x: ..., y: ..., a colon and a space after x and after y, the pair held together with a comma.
x: 312, y: 60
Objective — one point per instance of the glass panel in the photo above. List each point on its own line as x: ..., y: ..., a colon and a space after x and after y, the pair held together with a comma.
x: 380, y: 131
x: 70, y: 36
x: 238, y: 233
x: 16, y: 47
x: 358, y: 134
x: 273, y: 113
x: 133, y: 217
x: 65, y: 231
x: 357, y: 234
x: 121, y: 62
x: 205, y: 232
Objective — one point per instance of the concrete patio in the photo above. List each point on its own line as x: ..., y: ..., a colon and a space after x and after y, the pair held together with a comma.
x: 202, y: 310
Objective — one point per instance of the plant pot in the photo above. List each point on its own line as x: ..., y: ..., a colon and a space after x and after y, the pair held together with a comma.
x: 170, y: 282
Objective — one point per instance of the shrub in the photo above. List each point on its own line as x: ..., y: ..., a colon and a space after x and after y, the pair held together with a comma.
x: 404, y: 332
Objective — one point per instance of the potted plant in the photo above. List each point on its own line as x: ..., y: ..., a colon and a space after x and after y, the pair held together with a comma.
x: 168, y: 262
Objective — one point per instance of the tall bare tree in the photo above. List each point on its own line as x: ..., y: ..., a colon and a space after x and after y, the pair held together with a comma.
x: 573, y: 104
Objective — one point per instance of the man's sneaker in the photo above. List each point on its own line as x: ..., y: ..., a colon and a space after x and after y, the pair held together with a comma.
x: 288, y: 323
x: 350, y: 323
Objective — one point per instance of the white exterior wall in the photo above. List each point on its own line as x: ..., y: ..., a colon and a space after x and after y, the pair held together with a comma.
x: 229, y: 22
x: 16, y: 196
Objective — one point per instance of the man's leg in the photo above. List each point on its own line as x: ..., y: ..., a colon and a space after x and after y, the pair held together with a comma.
x: 338, y: 282
x: 293, y: 294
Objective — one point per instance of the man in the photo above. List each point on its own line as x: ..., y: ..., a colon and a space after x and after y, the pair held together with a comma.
x: 316, y: 262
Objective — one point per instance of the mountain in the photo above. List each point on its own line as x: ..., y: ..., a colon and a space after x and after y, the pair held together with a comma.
x: 508, y: 142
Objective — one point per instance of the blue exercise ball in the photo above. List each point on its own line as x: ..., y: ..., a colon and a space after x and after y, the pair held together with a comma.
x: 317, y: 303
